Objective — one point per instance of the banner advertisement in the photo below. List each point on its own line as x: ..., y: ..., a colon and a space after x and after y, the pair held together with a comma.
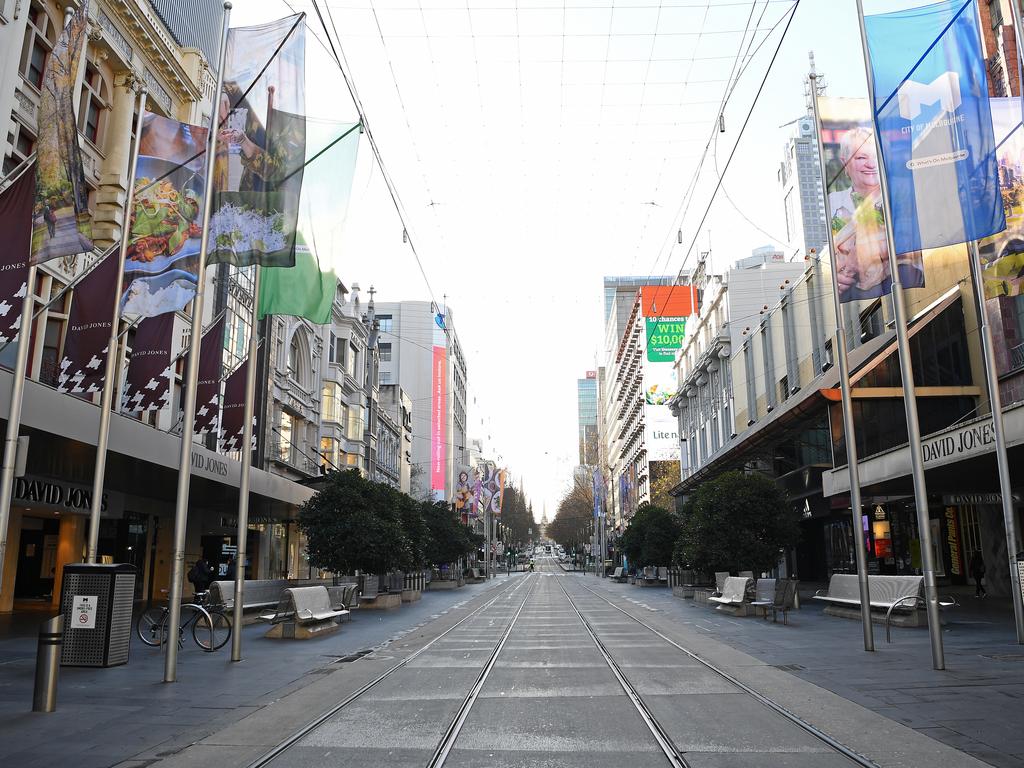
x: 439, y: 411
x: 664, y: 336
x: 88, y: 333
x: 148, y: 383
x: 932, y: 112
x: 167, y: 218
x: 60, y: 220
x: 16, y: 204
x: 855, y: 204
x: 665, y: 309
x: 233, y: 411
x: 261, y: 145
x: 208, y: 384
x: 465, y: 492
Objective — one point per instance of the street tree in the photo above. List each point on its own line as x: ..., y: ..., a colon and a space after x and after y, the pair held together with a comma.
x: 351, y: 524
x: 574, y: 518
x: 447, y: 538
x: 650, y: 537
x: 735, y: 522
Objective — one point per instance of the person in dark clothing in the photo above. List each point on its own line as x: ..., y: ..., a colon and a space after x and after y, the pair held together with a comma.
x: 231, y: 572
x: 201, y: 575
x: 978, y: 572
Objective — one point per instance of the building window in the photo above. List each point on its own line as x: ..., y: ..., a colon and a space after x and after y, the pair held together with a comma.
x: 385, y: 323
x: 285, y: 447
x: 331, y: 351
x: 299, y: 359
x: 40, y: 36
x: 769, y: 364
x: 748, y: 363
x: 385, y: 353
x: 94, y: 103
x: 332, y: 406
x: 351, y: 359
x: 330, y: 453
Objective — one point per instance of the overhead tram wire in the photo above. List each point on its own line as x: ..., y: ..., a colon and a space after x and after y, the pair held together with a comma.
x: 732, y: 153
x: 329, y: 46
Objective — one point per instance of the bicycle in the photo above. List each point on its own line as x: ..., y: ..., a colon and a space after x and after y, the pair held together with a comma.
x: 211, y: 627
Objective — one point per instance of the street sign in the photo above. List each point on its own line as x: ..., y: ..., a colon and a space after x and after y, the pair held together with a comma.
x: 83, y: 612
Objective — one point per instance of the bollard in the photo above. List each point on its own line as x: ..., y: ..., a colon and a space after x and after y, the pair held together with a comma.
x: 44, y: 697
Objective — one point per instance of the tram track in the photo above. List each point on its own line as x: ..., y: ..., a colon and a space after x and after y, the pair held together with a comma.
x: 669, y: 747
x: 268, y: 757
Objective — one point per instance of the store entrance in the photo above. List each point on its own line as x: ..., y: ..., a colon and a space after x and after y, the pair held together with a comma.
x: 37, y: 559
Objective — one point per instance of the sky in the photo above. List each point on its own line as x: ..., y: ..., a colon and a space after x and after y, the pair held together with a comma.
x: 538, y: 146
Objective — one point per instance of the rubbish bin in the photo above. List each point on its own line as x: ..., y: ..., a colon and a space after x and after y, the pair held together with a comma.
x: 96, y: 602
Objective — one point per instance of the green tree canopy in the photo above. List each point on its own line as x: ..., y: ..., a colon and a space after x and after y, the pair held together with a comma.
x: 736, y: 522
x: 650, y: 537
x: 447, y: 538
x: 351, y: 524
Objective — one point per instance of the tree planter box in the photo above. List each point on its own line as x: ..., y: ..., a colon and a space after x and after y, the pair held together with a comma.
x: 291, y: 630
x: 446, y: 584
x: 384, y: 601
x: 411, y: 595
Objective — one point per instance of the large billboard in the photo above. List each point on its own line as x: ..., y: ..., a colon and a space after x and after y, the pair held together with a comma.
x: 664, y: 309
x: 439, y: 411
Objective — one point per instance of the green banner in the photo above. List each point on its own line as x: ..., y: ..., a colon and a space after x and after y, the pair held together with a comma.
x: 664, y: 337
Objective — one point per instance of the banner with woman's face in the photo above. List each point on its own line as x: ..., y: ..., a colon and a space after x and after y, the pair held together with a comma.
x: 855, y: 204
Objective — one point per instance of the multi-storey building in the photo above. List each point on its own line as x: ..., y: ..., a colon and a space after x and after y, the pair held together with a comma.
x: 586, y: 409
x: 396, y: 407
x: 421, y: 353
x: 800, y: 180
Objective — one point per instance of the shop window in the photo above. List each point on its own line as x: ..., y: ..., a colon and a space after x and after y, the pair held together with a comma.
x: 40, y: 36
x: 94, y: 104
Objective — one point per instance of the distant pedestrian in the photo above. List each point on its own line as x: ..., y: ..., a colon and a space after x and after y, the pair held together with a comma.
x: 201, y: 575
x: 978, y: 572
x: 50, y: 217
x: 231, y: 571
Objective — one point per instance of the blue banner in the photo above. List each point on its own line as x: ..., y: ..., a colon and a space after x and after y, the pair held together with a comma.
x: 935, y: 125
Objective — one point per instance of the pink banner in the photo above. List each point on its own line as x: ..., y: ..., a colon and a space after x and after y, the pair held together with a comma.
x: 439, y: 422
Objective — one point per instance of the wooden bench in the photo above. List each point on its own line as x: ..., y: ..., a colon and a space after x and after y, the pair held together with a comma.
x: 256, y: 593
x: 888, y: 593
x: 619, y: 575
x: 775, y: 595
x: 302, y: 613
x: 734, y: 592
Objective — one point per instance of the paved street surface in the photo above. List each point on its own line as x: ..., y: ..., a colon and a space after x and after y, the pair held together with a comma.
x: 543, y: 670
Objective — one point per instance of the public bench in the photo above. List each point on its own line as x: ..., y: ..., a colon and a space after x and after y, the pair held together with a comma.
x: 256, y: 593
x: 888, y: 593
x: 303, y: 612
x: 344, y: 597
x: 734, y: 593
x: 652, y: 577
x: 775, y: 595
x: 620, y: 575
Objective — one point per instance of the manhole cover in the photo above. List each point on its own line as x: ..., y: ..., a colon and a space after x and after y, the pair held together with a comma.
x: 1004, y: 656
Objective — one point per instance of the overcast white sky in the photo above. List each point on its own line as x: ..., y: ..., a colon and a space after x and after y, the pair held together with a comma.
x: 538, y: 146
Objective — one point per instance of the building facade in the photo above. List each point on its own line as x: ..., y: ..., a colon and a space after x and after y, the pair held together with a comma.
x: 396, y: 406
x: 586, y: 409
x: 420, y: 352
x: 799, y: 177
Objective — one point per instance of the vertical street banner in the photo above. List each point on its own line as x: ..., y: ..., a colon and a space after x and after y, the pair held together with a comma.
x: 16, y: 204
x: 60, y: 220
x: 439, y: 410
x: 88, y: 333
x: 464, y: 493
x: 932, y: 112
x: 664, y: 309
x: 233, y: 410
x: 208, y: 384
x: 166, y: 219
x: 148, y: 383
x: 261, y: 145
x: 855, y: 204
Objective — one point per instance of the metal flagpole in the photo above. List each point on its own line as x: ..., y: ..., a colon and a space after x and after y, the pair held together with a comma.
x: 1002, y: 461
x: 847, y: 404
x: 907, y: 376
x: 109, y: 385
x: 191, y: 375
x: 243, y: 485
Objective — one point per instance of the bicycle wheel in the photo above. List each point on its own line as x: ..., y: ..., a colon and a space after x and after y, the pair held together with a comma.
x: 211, y: 638
x: 152, y: 626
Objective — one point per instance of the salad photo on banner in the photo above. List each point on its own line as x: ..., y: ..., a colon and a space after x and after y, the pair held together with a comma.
x: 261, y: 145
x: 166, y: 220
x: 60, y: 220
x: 855, y: 204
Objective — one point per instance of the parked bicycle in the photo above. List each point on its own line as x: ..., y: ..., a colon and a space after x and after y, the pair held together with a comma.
x: 210, y: 625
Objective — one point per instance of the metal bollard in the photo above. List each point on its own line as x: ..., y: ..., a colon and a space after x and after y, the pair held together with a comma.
x: 44, y: 697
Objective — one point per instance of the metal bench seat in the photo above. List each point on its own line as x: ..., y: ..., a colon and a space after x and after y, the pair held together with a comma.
x: 734, y: 591
x: 304, y: 605
x: 344, y: 597
x: 775, y: 595
x: 620, y: 575
x: 257, y: 593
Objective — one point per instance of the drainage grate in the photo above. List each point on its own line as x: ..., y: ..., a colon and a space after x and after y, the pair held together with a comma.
x: 789, y: 667
x: 352, y: 657
x: 1004, y: 656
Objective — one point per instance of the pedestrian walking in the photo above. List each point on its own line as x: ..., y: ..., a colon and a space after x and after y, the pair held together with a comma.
x: 201, y: 575
x: 978, y: 572
x: 50, y: 217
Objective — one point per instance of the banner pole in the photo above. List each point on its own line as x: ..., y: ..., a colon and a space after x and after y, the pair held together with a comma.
x: 14, y: 408
x: 243, y: 485
x: 191, y: 376
x: 849, y: 426
x: 109, y: 385
x: 906, y: 375
x: 1002, y: 461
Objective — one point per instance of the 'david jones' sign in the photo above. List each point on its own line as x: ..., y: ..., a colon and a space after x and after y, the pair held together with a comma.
x: 961, y: 443
x: 32, y: 492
